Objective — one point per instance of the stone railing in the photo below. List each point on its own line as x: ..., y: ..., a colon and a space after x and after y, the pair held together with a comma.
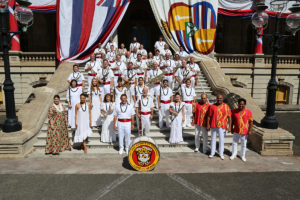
x: 234, y: 58
x: 37, y: 56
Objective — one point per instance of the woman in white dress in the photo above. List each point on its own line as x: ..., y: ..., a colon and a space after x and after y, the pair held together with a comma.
x: 122, y: 51
x: 178, y: 117
x: 83, y: 122
x: 108, y: 134
x: 95, y: 99
x: 118, y: 91
x: 73, y: 98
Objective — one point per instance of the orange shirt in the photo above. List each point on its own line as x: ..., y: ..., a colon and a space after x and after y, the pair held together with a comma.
x: 200, y: 117
x: 240, y: 121
x: 218, y: 115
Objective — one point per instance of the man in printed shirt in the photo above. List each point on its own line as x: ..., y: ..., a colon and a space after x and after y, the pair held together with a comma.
x: 218, y: 114
x: 242, y: 122
x: 200, y: 122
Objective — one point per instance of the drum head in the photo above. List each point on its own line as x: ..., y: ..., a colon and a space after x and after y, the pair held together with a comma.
x: 143, y: 154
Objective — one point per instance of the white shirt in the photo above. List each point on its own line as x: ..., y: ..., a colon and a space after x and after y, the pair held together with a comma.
x: 154, y: 73
x: 133, y: 57
x: 178, y: 62
x: 188, y: 93
x: 119, y: 64
x: 164, y: 51
x: 124, y: 111
x: 195, y: 66
x: 142, y: 65
x: 128, y: 74
x: 165, y: 93
x: 134, y: 45
x: 143, y: 52
x: 111, y: 56
x: 146, y: 103
x: 138, y: 90
x: 170, y: 63
x: 76, y: 76
x: 103, y: 73
x: 182, y: 73
x: 159, y: 45
x: 157, y: 59
x: 182, y: 54
x: 111, y: 43
x: 99, y: 51
x: 95, y: 66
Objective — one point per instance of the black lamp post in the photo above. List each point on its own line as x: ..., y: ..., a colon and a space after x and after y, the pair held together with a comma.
x: 24, y: 16
x: 259, y: 20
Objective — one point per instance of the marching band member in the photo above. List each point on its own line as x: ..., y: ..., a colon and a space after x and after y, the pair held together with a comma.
x: 157, y: 57
x: 118, y: 67
x: 189, y: 96
x: 163, y: 100
x: 138, y: 89
x: 143, y: 52
x: 83, y: 122
x: 99, y: 51
x: 95, y: 102
x: 149, y: 59
x: 168, y: 66
x: 134, y: 44
x: 76, y: 75
x: 183, y: 73
x: 166, y: 50
x: 160, y: 44
x: 111, y: 55
x: 73, y: 98
x: 218, y: 114
x: 195, y: 69
x: 111, y: 42
x: 129, y: 76
x: 118, y: 91
x: 122, y: 51
x: 106, y: 78
x: 127, y: 57
x: 154, y: 89
x: 144, y: 109
x: 108, y: 134
x: 200, y: 122
x: 90, y: 68
x: 182, y: 53
x: 242, y: 122
x: 140, y: 66
x: 134, y: 55
x: 124, y: 122
x: 177, y: 60
x: 178, y: 117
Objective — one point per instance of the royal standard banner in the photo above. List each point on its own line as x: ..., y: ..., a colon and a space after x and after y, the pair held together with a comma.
x: 189, y: 23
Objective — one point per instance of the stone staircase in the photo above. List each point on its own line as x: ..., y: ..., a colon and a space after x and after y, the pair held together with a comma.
x: 160, y: 136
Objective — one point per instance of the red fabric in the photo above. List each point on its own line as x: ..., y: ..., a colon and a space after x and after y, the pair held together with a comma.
x: 145, y: 113
x: 13, y: 27
x: 57, y: 31
x: 189, y: 102
x: 169, y: 74
x: 245, y: 12
x: 240, y: 121
x: 106, y: 83
x: 218, y: 115
x: 139, y: 74
x: 165, y: 102
x: 124, y: 120
x: 117, y: 74
x: 201, y: 112
x: 79, y: 85
x: 92, y: 74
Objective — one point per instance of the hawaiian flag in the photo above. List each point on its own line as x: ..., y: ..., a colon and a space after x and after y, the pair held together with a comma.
x: 82, y: 24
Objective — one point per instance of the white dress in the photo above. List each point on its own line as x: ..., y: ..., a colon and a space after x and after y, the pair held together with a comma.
x: 83, y: 128
x: 73, y: 96
x: 118, y: 94
x: 176, y: 127
x: 108, y: 134
x: 96, y: 119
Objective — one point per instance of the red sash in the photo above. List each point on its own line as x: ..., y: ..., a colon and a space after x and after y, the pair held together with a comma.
x: 79, y: 85
x: 117, y: 74
x: 189, y: 102
x: 165, y: 102
x: 145, y: 113
x: 124, y: 120
x: 106, y: 83
x: 169, y: 74
x: 92, y: 74
x: 139, y: 74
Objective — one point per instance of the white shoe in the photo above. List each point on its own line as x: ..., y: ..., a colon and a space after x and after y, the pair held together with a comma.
x: 190, y: 125
x: 232, y: 157
x: 211, y: 156
x: 243, y: 159
x: 126, y: 151
x: 121, y: 151
x: 196, y: 150
x: 222, y: 157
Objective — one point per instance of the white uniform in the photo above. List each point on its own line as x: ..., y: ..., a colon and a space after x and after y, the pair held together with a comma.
x: 176, y: 126
x: 155, y: 88
x: 183, y: 73
x: 138, y: 91
x: 111, y: 57
x: 95, y: 111
x: 83, y: 128
x: 144, y: 53
x: 195, y: 66
x: 182, y: 54
x: 109, y: 75
x: 111, y: 43
x: 108, y: 134
x: 165, y: 95
x: 73, y: 97
x: 118, y: 94
x: 118, y: 72
x: 169, y: 75
x: 122, y: 52
x: 133, y: 57
x: 124, y: 114
x: 140, y: 72
x: 165, y: 51
x: 134, y: 45
x: 188, y: 95
x: 160, y: 45
x: 92, y: 73
x: 146, y: 106
x: 78, y: 77
x: 157, y: 59
x: 99, y: 51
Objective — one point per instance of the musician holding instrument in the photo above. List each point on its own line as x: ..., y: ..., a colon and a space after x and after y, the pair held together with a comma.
x: 168, y: 66
x: 99, y: 51
x: 189, y: 96
x: 178, y: 118
x: 144, y: 110
x: 157, y: 57
x: 164, y: 100
x: 129, y: 78
x: 118, y: 67
x: 194, y: 67
x: 183, y: 73
x: 142, y: 51
x: 106, y: 78
x: 140, y: 66
x: 76, y: 75
x: 138, y: 89
x: 153, y: 75
x: 182, y: 53
x: 91, y: 68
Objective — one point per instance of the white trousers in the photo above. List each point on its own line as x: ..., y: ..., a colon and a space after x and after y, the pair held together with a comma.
x: 193, y: 82
x: 164, y: 112
x: 90, y: 78
x: 170, y: 81
x: 236, y: 138
x: 145, y: 124
x: 201, y: 131
x: 214, y: 133
x: 188, y: 110
x: 124, y: 131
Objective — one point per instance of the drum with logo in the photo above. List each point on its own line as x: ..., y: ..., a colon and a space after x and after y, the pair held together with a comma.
x: 143, y: 154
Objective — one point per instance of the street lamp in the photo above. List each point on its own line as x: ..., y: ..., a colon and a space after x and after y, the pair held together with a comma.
x: 259, y: 20
x: 24, y: 17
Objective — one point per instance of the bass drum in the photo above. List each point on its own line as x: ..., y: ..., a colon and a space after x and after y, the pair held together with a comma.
x: 143, y: 154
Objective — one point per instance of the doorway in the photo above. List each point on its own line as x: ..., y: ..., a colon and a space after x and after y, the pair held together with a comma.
x: 139, y: 21
x: 282, y: 94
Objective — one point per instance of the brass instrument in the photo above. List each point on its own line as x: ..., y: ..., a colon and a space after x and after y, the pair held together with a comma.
x: 104, y: 76
x: 155, y: 79
x: 128, y: 83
